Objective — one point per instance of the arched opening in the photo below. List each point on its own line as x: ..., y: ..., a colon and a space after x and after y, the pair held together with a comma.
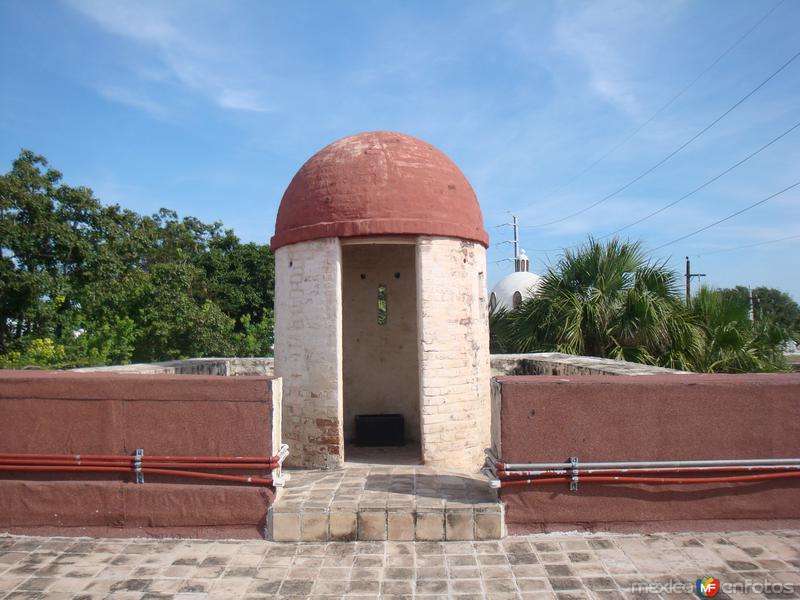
x: 516, y: 299
x: 380, y: 360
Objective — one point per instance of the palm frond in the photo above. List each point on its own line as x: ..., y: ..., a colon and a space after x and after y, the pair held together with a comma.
x: 608, y: 299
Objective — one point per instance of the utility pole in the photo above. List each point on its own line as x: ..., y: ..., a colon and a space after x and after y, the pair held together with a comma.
x: 515, y: 228
x: 689, y: 276
x: 515, y: 225
x: 751, y: 314
x: 688, y: 281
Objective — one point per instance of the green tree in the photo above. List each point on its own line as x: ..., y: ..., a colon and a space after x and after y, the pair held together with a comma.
x: 735, y: 344
x: 501, y: 338
x: 101, y: 284
x: 42, y: 250
x: 608, y: 300
x: 771, y: 305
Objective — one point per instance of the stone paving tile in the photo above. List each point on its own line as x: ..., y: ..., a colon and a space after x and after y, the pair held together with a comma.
x: 379, y: 502
x: 553, y: 566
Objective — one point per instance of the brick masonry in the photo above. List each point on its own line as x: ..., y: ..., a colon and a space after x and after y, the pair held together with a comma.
x: 308, y: 350
x: 454, y: 351
x: 452, y: 340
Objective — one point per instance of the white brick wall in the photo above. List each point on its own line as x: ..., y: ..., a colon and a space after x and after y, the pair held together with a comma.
x: 454, y: 352
x: 308, y: 350
x: 453, y: 346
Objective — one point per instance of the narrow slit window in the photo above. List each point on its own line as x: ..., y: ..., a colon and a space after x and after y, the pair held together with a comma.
x: 382, y: 308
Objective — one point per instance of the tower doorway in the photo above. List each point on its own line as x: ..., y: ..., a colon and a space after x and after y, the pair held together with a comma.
x: 380, y: 351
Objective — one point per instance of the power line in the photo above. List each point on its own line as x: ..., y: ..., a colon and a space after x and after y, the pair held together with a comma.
x: 515, y: 241
x: 687, y: 195
x: 706, y: 184
x: 775, y: 241
x: 783, y: 239
x: 664, y: 107
x: 730, y: 216
x: 674, y: 152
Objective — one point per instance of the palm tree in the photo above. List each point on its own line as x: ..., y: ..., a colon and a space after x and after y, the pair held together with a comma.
x: 500, y: 334
x: 608, y: 300
x: 735, y: 344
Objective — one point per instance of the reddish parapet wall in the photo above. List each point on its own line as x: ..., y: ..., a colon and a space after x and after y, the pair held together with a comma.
x: 654, y: 418
x: 89, y: 413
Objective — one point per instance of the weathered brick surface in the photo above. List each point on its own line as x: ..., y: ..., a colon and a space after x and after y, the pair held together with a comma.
x: 454, y: 351
x: 452, y: 339
x: 308, y: 350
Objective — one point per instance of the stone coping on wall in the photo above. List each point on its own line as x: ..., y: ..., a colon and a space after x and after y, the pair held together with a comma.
x: 540, y: 363
x: 556, y: 363
x: 257, y: 366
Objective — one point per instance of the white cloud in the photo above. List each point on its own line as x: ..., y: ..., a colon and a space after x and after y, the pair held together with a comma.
x: 609, y: 39
x: 191, y: 58
x: 241, y: 100
x: 131, y: 98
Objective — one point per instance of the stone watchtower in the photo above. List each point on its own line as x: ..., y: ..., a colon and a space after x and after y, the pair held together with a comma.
x: 380, y: 301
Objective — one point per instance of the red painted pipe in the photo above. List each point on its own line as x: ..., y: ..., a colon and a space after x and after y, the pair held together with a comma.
x: 215, y: 476
x: 655, y: 480
x: 145, y: 470
x: 65, y: 468
x: 128, y: 457
x: 148, y: 463
x: 94, y: 463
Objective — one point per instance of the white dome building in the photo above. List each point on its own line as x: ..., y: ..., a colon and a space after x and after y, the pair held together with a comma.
x: 512, y: 289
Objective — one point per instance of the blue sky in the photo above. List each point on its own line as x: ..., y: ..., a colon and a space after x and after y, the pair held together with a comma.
x: 209, y: 108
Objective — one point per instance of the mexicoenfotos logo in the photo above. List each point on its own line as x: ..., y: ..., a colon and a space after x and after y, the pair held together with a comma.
x: 707, y: 587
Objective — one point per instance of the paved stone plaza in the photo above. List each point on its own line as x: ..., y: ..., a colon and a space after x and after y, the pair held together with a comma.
x: 563, y: 566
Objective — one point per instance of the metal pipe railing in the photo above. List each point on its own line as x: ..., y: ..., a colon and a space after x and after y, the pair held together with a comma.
x: 653, y: 480
x: 145, y: 470
x: 140, y: 464
x: 503, y: 474
x: 651, y: 463
x: 126, y: 457
x: 144, y: 462
x: 582, y: 471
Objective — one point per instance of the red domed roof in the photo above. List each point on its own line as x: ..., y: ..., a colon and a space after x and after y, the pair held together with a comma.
x: 378, y: 183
